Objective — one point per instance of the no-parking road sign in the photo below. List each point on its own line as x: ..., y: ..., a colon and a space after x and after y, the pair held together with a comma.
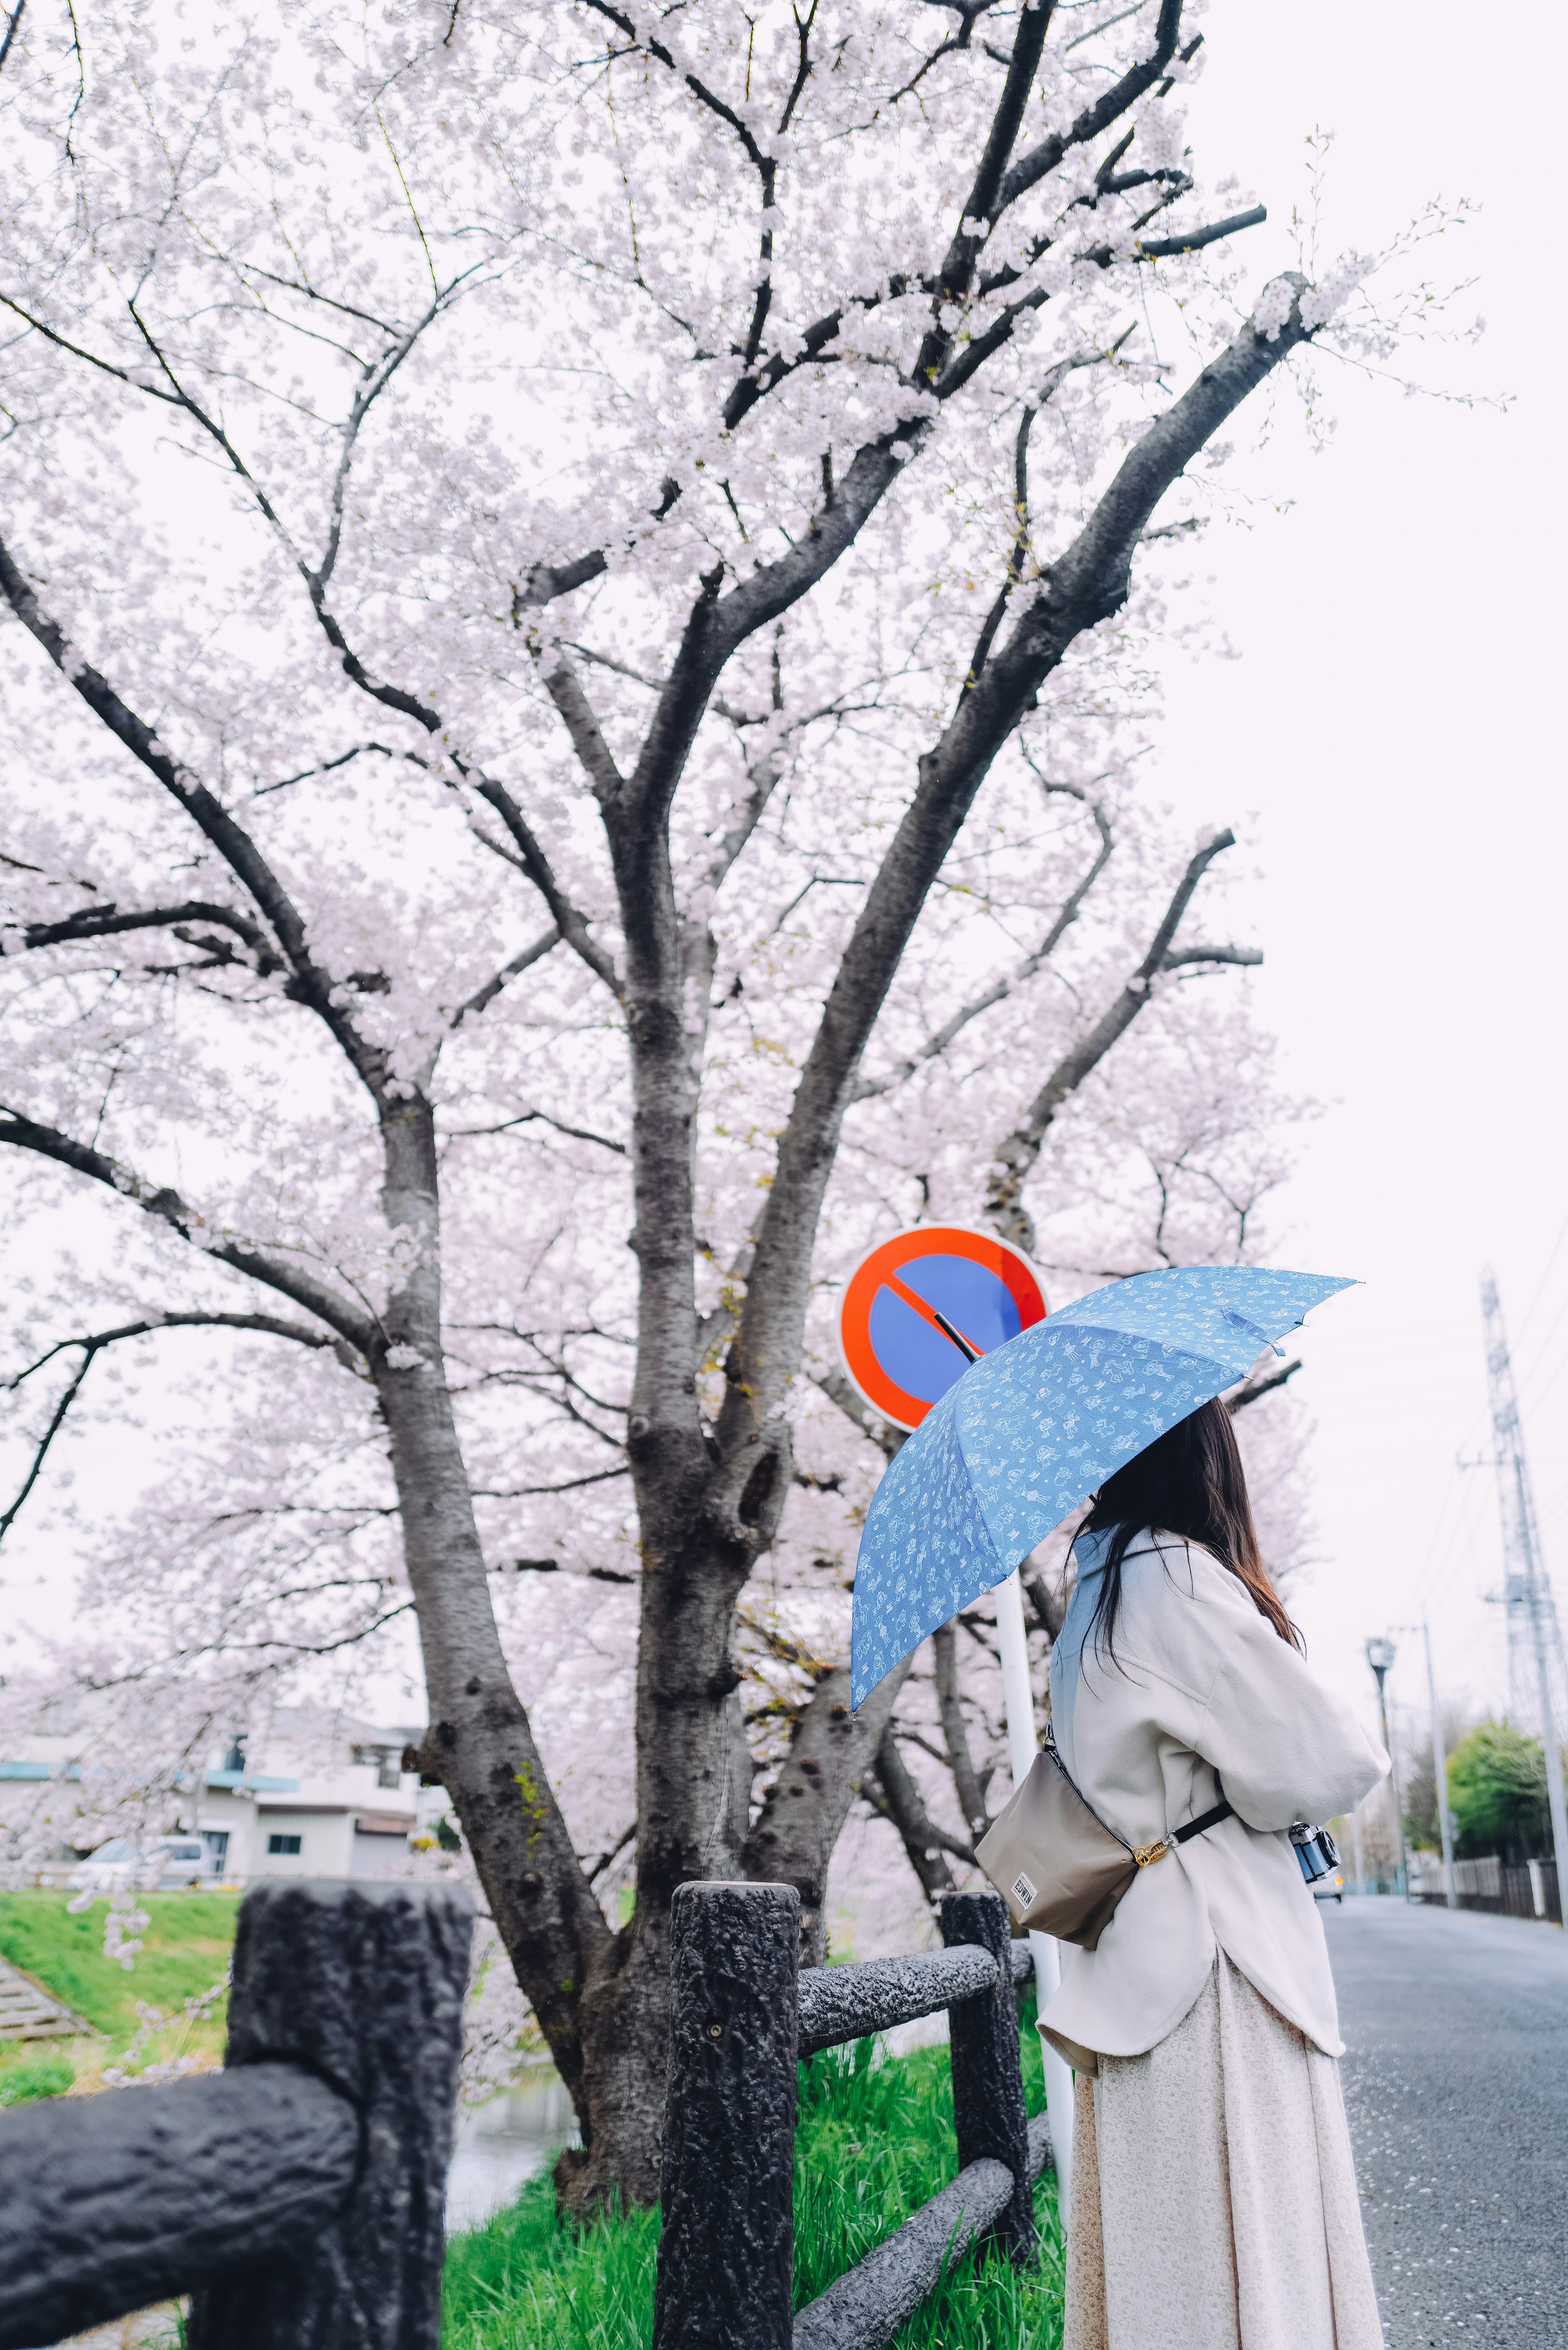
x: 918, y: 1309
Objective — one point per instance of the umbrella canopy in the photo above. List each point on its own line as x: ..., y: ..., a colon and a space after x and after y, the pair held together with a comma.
x: 1032, y: 1429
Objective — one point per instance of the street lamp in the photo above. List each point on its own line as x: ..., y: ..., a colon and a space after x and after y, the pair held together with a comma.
x: 1380, y: 1656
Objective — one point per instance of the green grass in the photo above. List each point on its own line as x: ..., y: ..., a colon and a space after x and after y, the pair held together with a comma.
x: 185, y: 1949
x: 518, y: 2282
x: 35, y: 2076
x: 875, y: 2141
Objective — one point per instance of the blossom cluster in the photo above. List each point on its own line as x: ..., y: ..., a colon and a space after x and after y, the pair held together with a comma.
x: 363, y: 385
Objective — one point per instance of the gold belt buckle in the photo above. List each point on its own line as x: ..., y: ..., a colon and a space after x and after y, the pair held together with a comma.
x: 1145, y: 1855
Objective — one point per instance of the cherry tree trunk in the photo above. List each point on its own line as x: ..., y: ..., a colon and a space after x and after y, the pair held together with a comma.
x: 693, y: 1794
x: 479, y: 1743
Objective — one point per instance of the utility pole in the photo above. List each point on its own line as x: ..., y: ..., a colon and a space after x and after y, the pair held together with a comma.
x: 1380, y: 1655
x: 1525, y: 1585
x: 1440, y: 1776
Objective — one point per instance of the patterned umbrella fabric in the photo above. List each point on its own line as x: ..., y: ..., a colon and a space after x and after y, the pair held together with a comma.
x: 1031, y: 1430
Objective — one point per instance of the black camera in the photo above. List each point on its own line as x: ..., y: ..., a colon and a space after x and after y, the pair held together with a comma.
x: 1315, y: 1849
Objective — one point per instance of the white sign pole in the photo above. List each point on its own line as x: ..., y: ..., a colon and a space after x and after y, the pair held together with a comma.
x: 1022, y: 1745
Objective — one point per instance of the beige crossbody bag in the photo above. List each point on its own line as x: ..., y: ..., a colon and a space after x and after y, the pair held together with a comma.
x: 1054, y: 1862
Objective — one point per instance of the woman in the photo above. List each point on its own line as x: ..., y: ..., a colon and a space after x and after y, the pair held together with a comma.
x: 1213, y: 2198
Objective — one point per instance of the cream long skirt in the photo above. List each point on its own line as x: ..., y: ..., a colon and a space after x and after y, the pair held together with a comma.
x: 1213, y: 2202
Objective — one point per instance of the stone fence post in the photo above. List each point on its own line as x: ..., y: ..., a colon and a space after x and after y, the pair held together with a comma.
x: 989, y: 2112
x: 361, y: 1984
x: 726, y: 2255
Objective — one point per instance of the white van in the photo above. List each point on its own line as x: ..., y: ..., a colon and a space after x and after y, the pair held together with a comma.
x: 166, y: 1865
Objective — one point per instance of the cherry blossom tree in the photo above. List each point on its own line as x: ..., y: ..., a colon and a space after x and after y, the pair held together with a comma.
x: 582, y: 582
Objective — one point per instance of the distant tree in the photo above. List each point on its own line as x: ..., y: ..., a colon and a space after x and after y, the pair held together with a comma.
x: 1497, y: 1786
x: 1421, y: 1829
x: 1417, y: 1783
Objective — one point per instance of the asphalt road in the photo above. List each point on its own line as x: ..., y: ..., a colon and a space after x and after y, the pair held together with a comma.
x: 1456, y: 2078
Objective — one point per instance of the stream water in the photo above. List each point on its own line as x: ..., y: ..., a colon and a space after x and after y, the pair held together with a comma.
x: 503, y: 2142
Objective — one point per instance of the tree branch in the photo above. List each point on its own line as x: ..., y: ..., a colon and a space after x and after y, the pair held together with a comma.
x: 40, y: 1453
x: 531, y: 859
x: 890, y: 1789
x: 1031, y: 168
x: 1017, y: 1156
x: 107, y: 921
x: 1050, y: 1606
x: 763, y: 777
x: 596, y: 1870
x: 830, y: 1750
x: 546, y: 581
x: 309, y: 983
x: 564, y: 689
x: 12, y: 22
x: 167, y: 1206
x: 994, y: 191
x: 986, y: 200
x: 1015, y: 571
x: 1249, y: 957
x: 520, y: 963
x: 870, y: 1088
x: 1251, y: 1389
x: 374, y: 379
x: 536, y: 1118
x: 717, y: 628
x: 955, y: 1736
x: 1085, y: 586
x: 1161, y: 248
x: 91, y: 1347
x: 704, y: 96
x: 838, y: 1389
x: 717, y: 625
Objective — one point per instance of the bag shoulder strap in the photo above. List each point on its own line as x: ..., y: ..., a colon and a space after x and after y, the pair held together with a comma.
x: 1049, y: 1747
x: 1145, y: 1853
x: 1210, y: 1819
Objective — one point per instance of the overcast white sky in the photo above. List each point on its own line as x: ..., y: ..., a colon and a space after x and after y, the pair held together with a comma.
x: 1387, y: 747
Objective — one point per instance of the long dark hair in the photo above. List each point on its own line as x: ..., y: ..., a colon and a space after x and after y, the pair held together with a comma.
x: 1189, y: 1481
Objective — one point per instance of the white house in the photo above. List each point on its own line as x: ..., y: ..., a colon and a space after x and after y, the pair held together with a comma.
x: 317, y: 1796
x: 314, y: 1794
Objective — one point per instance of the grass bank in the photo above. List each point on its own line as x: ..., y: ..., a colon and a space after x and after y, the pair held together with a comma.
x: 874, y: 2140
x: 185, y: 1950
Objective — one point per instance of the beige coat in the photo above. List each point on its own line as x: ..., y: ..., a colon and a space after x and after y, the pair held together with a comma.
x: 1201, y: 1685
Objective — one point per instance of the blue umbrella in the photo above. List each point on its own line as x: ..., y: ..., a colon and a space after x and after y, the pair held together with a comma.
x: 1032, y: 1429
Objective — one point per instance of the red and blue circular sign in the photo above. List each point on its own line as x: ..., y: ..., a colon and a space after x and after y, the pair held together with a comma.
x: 919, y: 1308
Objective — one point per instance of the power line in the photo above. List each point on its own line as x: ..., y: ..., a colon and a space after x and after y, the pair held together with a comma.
x: 1542, y: 1391
x: 1525, y: 1377
x: 1450, y: 1550
x: 1530, y: 1309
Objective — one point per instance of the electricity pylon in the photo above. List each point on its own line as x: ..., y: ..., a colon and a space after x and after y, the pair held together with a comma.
x: 1534, y: 1642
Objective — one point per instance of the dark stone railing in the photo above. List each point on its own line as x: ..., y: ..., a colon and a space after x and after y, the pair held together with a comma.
x: 298, y: 2195
x: 840, y: 2003
x: 740, y: 2016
